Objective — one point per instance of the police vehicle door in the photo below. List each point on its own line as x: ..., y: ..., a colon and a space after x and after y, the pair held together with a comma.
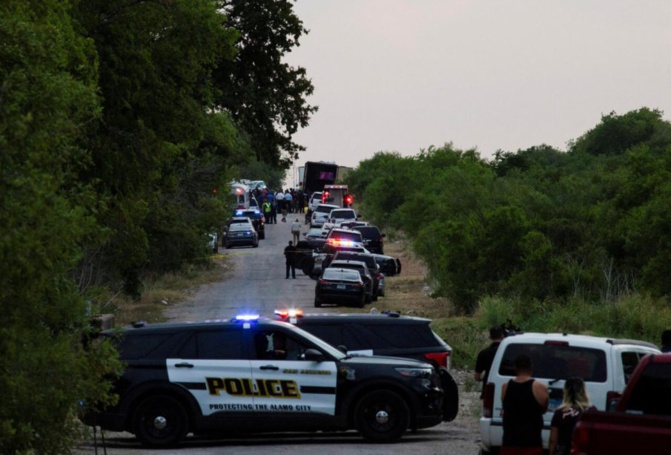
x: 215, y: 370
x: 287, y: 384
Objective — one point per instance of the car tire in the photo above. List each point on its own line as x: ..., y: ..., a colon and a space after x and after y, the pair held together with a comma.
x: 255, y: 244
x: 160, y: 421
x: 228, y: 247
x: 318, y: 303
x: 381, y: 416
x: 451, y: 397
x: 362, y: 302
x: 262, y: 236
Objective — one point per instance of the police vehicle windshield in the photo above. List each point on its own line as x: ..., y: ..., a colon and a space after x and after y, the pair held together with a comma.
x: 324, y: 346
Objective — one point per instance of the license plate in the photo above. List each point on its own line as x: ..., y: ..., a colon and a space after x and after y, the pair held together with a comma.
x: 341, y: 286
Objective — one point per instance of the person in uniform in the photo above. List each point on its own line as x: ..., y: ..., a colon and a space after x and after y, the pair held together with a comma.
x: 290, y: 259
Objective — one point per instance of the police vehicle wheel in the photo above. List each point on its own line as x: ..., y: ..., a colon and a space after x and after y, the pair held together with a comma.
x: 318, y: 303
x: 255, y: 244
x: 382, y: 416
x: 160, y: 421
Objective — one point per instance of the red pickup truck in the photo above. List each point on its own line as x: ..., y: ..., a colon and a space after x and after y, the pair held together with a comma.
x: 641, y: 422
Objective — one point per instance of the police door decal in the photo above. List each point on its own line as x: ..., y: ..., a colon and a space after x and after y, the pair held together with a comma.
x: 217, y: 385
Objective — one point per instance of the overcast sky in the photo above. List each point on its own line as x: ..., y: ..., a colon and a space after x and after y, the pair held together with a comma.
x: 402, y: 75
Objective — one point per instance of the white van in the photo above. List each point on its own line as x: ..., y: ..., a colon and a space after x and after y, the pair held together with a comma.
x: 605, y: 365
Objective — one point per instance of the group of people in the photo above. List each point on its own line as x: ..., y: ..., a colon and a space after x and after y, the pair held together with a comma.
x: 525, y: 400
x: 283, y: 202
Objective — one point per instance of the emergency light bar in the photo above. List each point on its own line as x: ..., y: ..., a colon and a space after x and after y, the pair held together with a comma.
x: 247, y: 317
x: 284, y: 314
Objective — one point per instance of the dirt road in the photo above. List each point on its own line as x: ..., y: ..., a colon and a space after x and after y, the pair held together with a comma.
x: 255, y: 281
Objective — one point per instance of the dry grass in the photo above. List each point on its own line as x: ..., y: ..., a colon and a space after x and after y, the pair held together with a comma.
x: 165, y: 290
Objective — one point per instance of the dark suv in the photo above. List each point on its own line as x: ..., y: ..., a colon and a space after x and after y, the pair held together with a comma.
x: 229, y: 376
x: 373, y: 239
x: 370, y: 261
x: 387, y: 334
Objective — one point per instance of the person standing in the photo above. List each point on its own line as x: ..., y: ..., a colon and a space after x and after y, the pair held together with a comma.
x: 289, y: 201
x: 296, y: 230
x: 267, y: 209
x: 525, y: 400
x: 574, y: 403
x: 486, y: 356
x: 290, y: 258
x: 279, y: 200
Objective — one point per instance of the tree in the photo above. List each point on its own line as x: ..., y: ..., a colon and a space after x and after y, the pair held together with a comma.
x: 47, y: 75
x: 160, y: 146
x: 266, y: 97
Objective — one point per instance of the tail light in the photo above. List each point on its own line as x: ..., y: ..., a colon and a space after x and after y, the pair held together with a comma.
x: 321, y: 282
x: 580, y: 440
x: 442, y: 359
x: 488, y: 401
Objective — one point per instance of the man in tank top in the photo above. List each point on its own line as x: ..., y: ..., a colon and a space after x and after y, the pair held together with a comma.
x: 525, y: 400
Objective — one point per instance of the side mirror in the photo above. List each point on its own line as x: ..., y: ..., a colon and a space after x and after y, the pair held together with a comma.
x: 313, y: 355
x: 383, y: 235
x: 342, y: 348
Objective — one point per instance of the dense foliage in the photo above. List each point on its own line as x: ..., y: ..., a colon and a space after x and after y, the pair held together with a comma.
x: 539, y: 224
x: 118, y: 119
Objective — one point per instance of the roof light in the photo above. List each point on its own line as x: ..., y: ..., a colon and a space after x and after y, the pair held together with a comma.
x: 293, y: 313
x: 247, y: 317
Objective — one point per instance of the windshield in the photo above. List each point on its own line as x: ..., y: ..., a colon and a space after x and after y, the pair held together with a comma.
x: 323, y: 345
x: 324, y: 208
x: 241, y: 227
x: 341, y: 214
x: 339, y: 274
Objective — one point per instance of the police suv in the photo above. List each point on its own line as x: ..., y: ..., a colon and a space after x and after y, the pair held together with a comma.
x: 251, y: 374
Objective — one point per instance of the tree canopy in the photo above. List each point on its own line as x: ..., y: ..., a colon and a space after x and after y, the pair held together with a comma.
x: 539, y: 223
x: 118, y: 118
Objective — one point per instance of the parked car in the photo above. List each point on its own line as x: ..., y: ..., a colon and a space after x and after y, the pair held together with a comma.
x: 305, y: 252
x: 386, y: 334
x: 341, y: 285
x: 314, y: 233
x: 320, y: 214
x: 315, y: 200
x: 340, y: 215
x: 389, y: 265
x: 641, y: 422
x: 372, y: 264
x: 373, y: 239
x: 257, y: 218
x: 366, y: 275
x: 340, y: 236
x: 239, y: 234
x: 605, y: 364
x: 331, y: 249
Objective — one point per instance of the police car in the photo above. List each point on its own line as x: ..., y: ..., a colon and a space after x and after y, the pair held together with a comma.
x: 251, y: 374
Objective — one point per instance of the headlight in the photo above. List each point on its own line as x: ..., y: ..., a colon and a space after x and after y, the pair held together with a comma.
x: 423, y: 373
